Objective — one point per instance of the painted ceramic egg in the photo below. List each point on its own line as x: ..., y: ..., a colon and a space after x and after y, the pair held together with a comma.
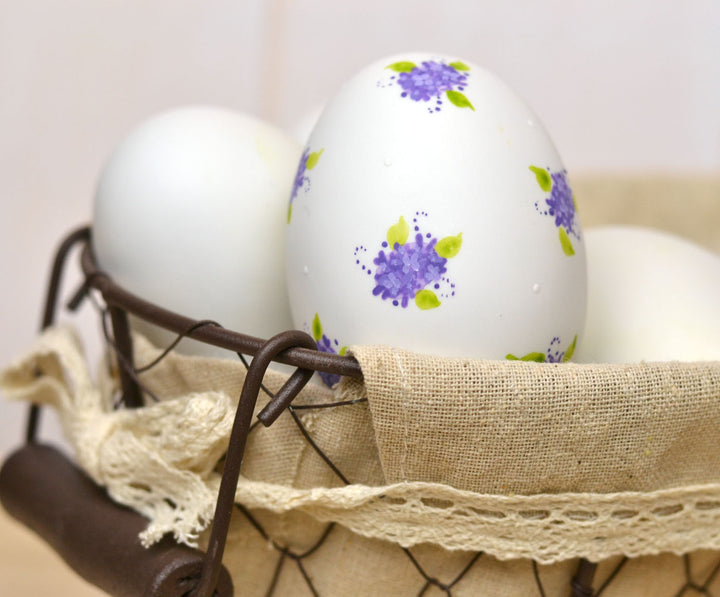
x: 431, y: 211
x: 189, y: 213
x: 652, y: 296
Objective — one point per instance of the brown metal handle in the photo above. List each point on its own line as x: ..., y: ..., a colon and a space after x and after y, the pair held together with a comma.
x: 98, y: 538
x: 238, y: 438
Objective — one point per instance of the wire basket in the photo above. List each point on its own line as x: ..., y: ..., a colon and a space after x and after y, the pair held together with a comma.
x: 41, y: 488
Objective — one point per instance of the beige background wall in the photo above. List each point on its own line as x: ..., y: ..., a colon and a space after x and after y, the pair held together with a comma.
x: 623, y: 86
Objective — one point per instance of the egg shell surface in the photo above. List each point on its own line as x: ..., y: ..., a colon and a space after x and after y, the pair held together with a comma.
x: 431, y: 211
x: 189, y: 214
x: 652, y: 296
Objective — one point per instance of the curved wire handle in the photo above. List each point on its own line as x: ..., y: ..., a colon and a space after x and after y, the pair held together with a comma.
x: 238, y: 438
x: 51, y: 300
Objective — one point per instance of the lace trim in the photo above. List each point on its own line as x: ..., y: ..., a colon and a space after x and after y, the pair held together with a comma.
x: 160, y: 460
x: 547, y: 528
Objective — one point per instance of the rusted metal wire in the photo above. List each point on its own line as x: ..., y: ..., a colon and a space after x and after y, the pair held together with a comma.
x: 582, y: 582
x: 293, y: 348
x: 238, y: 439
x: 611, y: 576
x: 51, y: 300
x: 536, y: 576
x: 117, y: 296
x: 701, y: 587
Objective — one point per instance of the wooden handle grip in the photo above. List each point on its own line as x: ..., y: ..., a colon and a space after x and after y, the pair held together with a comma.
x: 98, y: 538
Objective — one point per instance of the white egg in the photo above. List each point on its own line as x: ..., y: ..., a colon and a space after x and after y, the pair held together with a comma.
x: 431, y: 211
x: 189, y: 214
x: 652, y: 296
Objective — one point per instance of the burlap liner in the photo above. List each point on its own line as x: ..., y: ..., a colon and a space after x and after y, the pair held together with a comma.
x: 519, y: 460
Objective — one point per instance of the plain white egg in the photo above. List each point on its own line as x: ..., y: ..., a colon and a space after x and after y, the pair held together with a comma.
x: 431, y: 211
x: 189, y: 214
x: 652, y: 296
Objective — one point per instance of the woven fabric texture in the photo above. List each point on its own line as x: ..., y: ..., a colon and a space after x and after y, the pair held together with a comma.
x: 518, y: 460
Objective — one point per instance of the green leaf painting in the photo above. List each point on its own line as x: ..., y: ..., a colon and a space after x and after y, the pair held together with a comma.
x: 313, y: 159
x: 449, y: 246
x: 543, y: 178
x: 570, y: 351
x: 459, y: 99
x: 565, y: 242
x: 426, y: 299
x: 398, y: 233
x: 317, y: 330
x: 535, y: 357
x: 401, y: 67
x: 459, y: 66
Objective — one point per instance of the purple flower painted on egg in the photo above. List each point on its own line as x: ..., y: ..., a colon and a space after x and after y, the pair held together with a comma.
x: 430, y: 79
x: 300, y: 178
x: 414, y: 270
x: 325, y: 344
x: 560, y: 205
x: 307, y: 162
x: 553, y: 354
x: 329, y: 346
x: 406, y: 269
x: 433, y: 80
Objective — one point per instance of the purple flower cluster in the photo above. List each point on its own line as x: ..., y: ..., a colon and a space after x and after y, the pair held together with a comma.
x: 560, y: 203
x: 408, y: 268
x: 429, y: 80
x: 300, y: 177
x: 554, y: 356
x: 329, y: 346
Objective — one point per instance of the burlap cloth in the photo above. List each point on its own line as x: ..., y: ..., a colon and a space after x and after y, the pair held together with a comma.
x: 518, y: 460
x: 449, y: 457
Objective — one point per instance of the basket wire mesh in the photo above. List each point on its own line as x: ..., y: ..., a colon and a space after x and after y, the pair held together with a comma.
x: 295, y: 348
